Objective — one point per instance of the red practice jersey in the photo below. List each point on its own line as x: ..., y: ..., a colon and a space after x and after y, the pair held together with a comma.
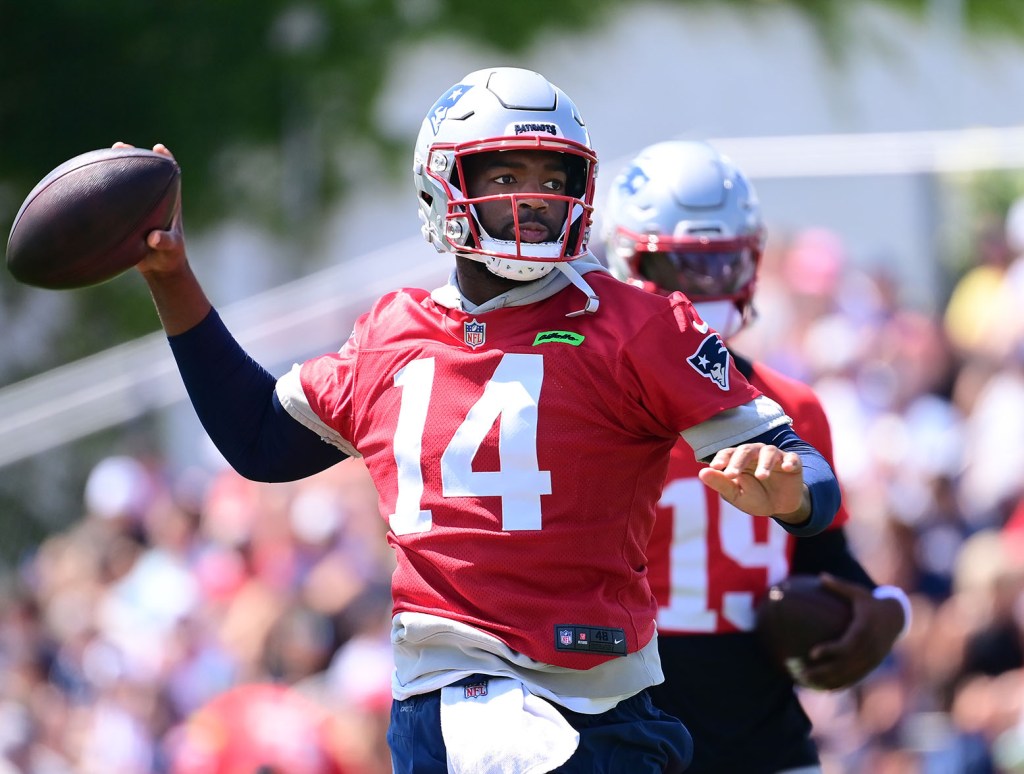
x: 711, y: 562
x: 519, y: 454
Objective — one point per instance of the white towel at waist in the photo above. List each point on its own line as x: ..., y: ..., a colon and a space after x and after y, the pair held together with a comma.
x: 496, y: 726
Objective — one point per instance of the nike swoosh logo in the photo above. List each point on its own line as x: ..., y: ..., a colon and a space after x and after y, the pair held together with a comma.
x: 616, y: 642
x: 702, y: 328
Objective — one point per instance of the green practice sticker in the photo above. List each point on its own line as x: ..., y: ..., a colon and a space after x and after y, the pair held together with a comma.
x: 562, y: 337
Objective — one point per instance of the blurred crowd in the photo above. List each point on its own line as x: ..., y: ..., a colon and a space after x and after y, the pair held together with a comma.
x: 199, y: 623
x: 192, y: 622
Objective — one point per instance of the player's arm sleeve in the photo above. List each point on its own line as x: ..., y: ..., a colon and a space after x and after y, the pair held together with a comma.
x: 829, y: 552
x: 819, y: 479
x: 234, y: 398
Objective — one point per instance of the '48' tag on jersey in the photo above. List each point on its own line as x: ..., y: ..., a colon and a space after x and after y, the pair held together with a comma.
x: 598, y: 640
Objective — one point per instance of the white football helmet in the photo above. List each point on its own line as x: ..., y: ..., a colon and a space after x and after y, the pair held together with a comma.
x: 682, y: 217
x: 498, y: 109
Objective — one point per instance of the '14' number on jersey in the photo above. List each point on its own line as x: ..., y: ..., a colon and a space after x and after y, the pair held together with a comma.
x: 510, y: 397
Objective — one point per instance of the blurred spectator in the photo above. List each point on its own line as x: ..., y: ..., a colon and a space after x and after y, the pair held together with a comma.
x: 983, y: 314
x: 167, y: 595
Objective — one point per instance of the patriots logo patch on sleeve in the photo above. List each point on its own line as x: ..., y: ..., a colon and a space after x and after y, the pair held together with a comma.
x: 711, y: 360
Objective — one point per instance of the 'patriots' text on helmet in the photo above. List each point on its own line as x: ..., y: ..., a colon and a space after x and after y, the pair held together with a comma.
x: 493, y: 110
x: 681, y: 216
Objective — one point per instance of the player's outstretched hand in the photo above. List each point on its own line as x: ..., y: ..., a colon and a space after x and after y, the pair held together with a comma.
x: 761, y: 480
x: 167, y: 248
x: 874, y: 627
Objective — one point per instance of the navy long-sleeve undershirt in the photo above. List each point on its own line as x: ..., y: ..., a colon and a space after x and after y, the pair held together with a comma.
x: 234, y: 398
x: 818, y: 476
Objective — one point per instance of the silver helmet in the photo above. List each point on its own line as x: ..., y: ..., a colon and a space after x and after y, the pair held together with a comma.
x: 502, y: 109
x: 681, y: 216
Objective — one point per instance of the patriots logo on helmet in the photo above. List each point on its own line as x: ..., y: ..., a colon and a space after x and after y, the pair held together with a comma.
x: 445, y: 103
x: 711, y: 360
x: 633, y: 179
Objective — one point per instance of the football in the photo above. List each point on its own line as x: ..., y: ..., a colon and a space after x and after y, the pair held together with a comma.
x: 87, y: 220
x: 797, y: 614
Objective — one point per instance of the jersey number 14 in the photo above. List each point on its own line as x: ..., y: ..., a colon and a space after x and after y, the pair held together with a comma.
x: 509, y: 397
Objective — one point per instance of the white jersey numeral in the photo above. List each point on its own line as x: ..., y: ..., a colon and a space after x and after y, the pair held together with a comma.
x: 510, y: 397
x: 416, y: 380
x: 689, y: 607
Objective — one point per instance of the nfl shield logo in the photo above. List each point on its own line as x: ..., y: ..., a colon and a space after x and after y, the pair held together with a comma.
x: 565, y: 636
x: 475, y: 690
x: 474, y: 333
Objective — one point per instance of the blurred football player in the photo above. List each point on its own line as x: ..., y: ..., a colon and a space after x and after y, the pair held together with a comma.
x: 682, y: 217
x: 517, y: 424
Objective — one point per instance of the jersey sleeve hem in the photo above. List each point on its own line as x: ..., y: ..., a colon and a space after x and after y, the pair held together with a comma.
x: 293, y: 399
x: 735, y: 426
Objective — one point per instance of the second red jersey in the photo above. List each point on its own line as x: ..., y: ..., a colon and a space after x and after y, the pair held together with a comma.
x: 709, y: 561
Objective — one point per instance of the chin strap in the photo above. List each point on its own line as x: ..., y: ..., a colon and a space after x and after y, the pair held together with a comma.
x: 590, y: 307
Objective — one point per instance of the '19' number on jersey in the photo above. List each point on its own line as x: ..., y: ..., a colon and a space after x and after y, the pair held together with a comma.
x: 510, y: 397
x: 689, y: 608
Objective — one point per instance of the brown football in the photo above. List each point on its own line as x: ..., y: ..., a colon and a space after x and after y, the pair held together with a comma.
x: 798, y: 613
x: 87, y: 220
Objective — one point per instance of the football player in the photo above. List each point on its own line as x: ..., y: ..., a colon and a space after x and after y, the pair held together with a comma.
x: 681, y: 217
x: 517, y: 423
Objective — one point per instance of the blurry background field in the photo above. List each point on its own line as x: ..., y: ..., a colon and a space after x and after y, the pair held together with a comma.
x: 142, y: 579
